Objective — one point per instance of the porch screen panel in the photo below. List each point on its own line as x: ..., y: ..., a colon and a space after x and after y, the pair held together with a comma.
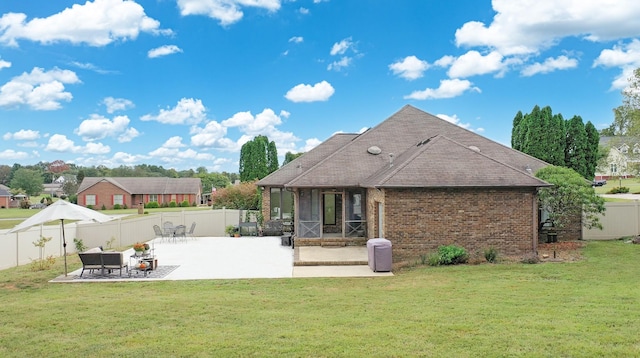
x: 309, y: 224
x: 276, y: 206
x: 355, y: 218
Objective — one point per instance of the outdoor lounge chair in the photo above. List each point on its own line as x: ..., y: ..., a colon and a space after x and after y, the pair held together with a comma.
x: 91, y: 260
x: 114, y: 261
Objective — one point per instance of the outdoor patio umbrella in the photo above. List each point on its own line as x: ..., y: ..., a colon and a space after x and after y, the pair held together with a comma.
x: 61, y: 210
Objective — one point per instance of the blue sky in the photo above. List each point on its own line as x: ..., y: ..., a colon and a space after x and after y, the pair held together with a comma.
x: 184, y: 83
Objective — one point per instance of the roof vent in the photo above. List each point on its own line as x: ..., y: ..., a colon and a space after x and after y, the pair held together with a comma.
x: 474, y: 148
x: 374, y: 150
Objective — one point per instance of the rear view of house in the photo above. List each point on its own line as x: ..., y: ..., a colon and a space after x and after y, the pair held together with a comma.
x: 98, y: 192
x: 414, y: 179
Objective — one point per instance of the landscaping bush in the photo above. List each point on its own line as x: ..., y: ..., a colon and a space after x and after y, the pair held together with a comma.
x: 491, y: 255
x: 173, y: 204
x: 618, y: 190
x: 448, y: 255
x: 117, y: 207
x: 185, y: 204
x: 152, y: 205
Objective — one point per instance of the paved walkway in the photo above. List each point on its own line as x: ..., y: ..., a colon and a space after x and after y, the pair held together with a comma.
x: 206, y: 258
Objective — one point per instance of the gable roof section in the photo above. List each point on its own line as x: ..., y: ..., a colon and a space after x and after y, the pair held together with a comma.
x: 4, y: 191
x: 351, y: 164
x: 307, y: 160
x: 147, y: 185
x: 442, y: 162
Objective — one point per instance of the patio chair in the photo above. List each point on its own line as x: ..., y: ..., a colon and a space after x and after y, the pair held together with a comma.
x: 191, y: 229
x: 168, y: 228
x: 159, y: 233
x: 114, y: 261
x: 180, y: 231
x: 91, y: 260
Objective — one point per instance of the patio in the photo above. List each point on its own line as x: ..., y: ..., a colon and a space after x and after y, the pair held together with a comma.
x: 210, y: 258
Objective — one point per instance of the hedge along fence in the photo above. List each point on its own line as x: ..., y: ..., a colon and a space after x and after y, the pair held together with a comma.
x: 18, y: 249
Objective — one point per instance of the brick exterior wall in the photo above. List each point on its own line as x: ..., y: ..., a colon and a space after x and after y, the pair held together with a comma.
x: 104, y: 192
x: 417, y: 221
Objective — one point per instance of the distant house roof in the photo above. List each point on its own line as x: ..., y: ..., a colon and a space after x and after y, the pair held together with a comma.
x: 147, y: 185
x: 411, y: 148
x: 4, y: 190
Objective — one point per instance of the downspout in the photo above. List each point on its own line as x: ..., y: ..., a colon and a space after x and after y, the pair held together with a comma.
x: 534, y: 224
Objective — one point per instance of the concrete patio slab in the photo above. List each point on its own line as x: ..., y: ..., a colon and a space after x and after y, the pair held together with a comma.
x: 207, y: 258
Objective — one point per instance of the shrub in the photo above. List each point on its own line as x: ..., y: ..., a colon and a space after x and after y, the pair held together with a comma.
x: 164, y: 205
x: 491, y: 255
x: 452, y: 255
x: 173, y: 204
x: 124, y: 206
x: 618, y: 190
x: 117, y: 207
x: 80, y: 246
x: 90, y: 206
x: 448, y: 255
x: 185, y: 204
x: 104, y: 207
x: 152, y: 205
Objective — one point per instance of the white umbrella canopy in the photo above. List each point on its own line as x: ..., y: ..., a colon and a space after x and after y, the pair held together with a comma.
x: 62, y: 210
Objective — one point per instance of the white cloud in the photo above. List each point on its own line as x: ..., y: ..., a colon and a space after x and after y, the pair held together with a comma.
x: 61, y: 144
x: 473, y: 63
x: 321, y: 91
x: 96, y: 23
x: 174, y: 142
x: 23, y: 134
x: 310, y: 144
x: 98, y: 127
x: 304, y: 11
x: 339, y: 65
x: 409, y: 68
x: 226, y: 11
x: 550, y: 65
x: 4, y: 64
x: 40, y: 90
x: 163, y: 51
x: 117, y: 104
x: 10, y: 154
x: 128, y: 135
x: 187, y: 111
x: 339, y: 48
x: 448, y: 89
x: 528, y: 26
x: 96, y: 148
x: 296, y: 39
x: 212, y: 135
x: 625, y: 56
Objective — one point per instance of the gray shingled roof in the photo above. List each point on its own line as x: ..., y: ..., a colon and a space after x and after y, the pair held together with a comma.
x: 351, y: 165
x: 306, y: 161
x: 147, y: 185
x: 442, y: 162
x: 4, y: 190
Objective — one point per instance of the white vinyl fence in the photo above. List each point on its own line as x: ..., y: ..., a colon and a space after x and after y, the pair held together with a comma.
x: 18, y: 248
x: 620, y: 220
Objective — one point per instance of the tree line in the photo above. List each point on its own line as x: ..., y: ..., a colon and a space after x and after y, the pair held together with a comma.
x: 566, y: 143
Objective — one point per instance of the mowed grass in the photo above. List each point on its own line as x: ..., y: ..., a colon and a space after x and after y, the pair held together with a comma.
x: 582, y: 309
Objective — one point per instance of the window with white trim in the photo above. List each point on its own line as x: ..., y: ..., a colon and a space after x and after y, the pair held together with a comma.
x: 118, y: 199
x: 90, y: 199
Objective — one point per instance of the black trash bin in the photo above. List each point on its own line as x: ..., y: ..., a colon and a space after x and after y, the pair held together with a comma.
x: 380, y: 257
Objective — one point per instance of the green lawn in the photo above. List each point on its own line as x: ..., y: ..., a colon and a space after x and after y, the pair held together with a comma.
x: 633, y: 184
x: 21, y: 214
x: 583, y: 309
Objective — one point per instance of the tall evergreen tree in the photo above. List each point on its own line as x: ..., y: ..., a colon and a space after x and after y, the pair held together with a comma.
x: 517, y: 131
x: 576, y: 146
x: 258, y: 158
x: 591, y: 155
x: 556, y: 140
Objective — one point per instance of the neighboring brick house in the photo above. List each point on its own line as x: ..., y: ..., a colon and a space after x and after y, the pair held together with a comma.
x: 106, y: 191
x: 414, y: 179
x: 5, y: 197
